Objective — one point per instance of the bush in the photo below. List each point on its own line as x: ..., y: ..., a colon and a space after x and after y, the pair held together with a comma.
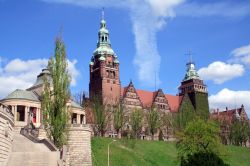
x: 203, y: 159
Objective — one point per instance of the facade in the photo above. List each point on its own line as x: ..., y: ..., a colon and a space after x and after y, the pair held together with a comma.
x: 226, y: 119
x: 105, y: 85
x: 26, y: 105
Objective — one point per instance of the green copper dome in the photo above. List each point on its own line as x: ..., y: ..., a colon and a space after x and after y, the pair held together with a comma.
x: 102, y: 58
x: 116, y: 61
x: 103, y: 50
x: 191, y: 72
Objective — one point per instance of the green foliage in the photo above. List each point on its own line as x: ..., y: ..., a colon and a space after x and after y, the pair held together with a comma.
x: 136, y: 122
x: 199, y: 136
x: 202, y: 107
x: 153, y: 153
x: 153, y: 120
x: 56, y: 96
x: 185, y: 115
x: 100, y: 116
x: 204, y: 159
x: 118, y: 118
x: 131, y: 152
x: 239, y: 133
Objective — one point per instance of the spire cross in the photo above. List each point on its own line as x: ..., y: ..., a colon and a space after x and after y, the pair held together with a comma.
x: 103, y: 13
x: 190, y: 54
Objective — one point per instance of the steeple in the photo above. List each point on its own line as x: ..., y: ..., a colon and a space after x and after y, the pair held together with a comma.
x: 103, y: 33
x: 104, y: 69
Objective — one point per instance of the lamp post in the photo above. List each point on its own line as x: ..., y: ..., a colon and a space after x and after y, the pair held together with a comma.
x: 108, y: 149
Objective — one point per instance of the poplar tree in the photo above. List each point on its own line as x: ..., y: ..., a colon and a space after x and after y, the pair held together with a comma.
x: 118, y: 119
x: 56, y: 95
x: 153, y: 119
x: 136, y: 122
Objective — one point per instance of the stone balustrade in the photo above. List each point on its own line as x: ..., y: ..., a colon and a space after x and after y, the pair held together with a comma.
x: 6, y: 133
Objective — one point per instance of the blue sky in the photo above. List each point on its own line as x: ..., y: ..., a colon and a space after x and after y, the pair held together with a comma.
x: 150, y: 37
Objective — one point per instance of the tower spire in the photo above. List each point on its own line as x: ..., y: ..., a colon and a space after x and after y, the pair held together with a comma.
x: 103, y: 13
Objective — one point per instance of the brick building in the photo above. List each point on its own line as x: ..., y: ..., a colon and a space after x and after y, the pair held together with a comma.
x: 105, y: 85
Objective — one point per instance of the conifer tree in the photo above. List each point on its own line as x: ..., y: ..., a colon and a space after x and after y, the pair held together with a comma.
x: 56, y: 95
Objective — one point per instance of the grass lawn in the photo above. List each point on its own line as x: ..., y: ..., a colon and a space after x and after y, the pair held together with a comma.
x: 152, y: 153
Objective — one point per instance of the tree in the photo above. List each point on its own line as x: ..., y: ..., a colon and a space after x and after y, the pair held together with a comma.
x: 79, y: 98
x: 204, y: 159
x: 100, y: 116
x: 153, y: 120
x: 56, y: 96
x: 118, y: 119
x: 199, y: 137
x: 136, y: 122
x: 239, y: 133
x: 167, y: 123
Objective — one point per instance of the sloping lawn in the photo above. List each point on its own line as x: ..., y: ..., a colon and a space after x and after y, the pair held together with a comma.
x: 152, y: 153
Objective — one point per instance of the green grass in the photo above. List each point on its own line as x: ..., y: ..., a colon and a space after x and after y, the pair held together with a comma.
x: 152, y: 153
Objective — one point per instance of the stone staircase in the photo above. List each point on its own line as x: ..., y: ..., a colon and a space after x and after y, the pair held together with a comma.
x: 27, y: 153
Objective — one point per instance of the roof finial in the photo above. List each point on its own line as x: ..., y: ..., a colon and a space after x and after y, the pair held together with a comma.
x: 190, y: 54
x: 102, y: 13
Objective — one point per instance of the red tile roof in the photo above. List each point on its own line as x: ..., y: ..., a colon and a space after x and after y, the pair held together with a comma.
x: 147, y: 98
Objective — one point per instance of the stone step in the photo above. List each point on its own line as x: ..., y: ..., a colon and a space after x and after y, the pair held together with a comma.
x: 27, y: 153
x: 33, y: 159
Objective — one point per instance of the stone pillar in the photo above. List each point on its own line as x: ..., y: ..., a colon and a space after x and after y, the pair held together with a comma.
x: 37, y: 115
x: 84, y: 119
x: 79, y: 146
x: 15, y: 112
x: 26, y: 114
x: 78, y: 119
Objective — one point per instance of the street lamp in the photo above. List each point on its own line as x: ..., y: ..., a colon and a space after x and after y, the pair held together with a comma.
x: 108, y: 149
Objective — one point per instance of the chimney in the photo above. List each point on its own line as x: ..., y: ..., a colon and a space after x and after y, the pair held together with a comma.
x: 226, y: 109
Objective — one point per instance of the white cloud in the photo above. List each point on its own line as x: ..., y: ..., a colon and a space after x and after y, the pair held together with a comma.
x: 242, y: 55
x: 218, y: 9
x: 231, y: 99
x: 21, y: 74
x: 220, y: 72
x: 73, y: 71
x: 147, y: 16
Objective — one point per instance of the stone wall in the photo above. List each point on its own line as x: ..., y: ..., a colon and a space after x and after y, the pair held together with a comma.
x: 6, y: 133
x: 79, y: 145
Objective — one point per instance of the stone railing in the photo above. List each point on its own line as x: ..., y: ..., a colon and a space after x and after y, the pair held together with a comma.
x: 32, y: 134
x: 6, y: 133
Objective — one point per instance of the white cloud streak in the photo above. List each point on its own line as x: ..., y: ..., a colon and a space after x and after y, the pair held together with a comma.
x: 224, y: 9
x: 148, y: 17
x: 21, y: 74
x: 220, y: 72
x: 242, y: 55
x: 231, y: 99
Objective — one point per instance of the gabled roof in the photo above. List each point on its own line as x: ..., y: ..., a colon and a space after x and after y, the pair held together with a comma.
x: 147, y: 99
x: 228, y: 114
x: 174, y: 102
x: 22, y: 94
